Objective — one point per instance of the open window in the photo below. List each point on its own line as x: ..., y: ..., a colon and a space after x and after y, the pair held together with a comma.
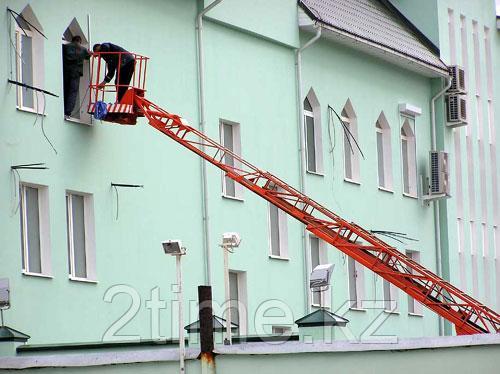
x: 384, y: 153
x: 319, y: 256
x: 351, y: 152
x: 29, y: 55
x: 76, y: 78
x: 314, y: 143
x: 409, y: 157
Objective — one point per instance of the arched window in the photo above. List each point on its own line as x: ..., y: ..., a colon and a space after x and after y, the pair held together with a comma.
x: 76, y: 95
x: 384, y: 152
x: 408, y: 157
x: 29, y: 61
x: 312, y: 123
x: 351, y: 152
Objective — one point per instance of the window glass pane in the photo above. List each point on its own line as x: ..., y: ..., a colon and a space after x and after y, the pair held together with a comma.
x: 387, y: 295
x: 78, y: 217
x: 307, y: 105
x: 27, y: 69
x: 310, y: 145
x: 348, y: 156
x: 275, y: 231
x: 353, y: 295
x: 315, y: 261
x: 228, y: 159
x: 33, y: 230
x: 380, y: 154
x: 234, y: 297
x: 406, y: 180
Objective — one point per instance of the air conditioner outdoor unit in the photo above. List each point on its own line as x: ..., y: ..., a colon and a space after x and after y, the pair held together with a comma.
x: 456, y: 108
x: 439, y: 171
x: 457, y: 75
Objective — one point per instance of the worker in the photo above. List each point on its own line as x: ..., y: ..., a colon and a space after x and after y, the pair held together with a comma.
x: 115, y: 55
x: 73, y: 56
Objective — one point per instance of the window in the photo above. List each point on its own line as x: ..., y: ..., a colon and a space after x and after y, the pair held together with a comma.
x: 356, y: 283
x: 230, y: 139
x: 278, y: 232
x: 237, y: 293
x: 390, y: 297
x: 29, y: 61
x: 414, y: 307
x: 81, y: 236
x: 35, y: 230
x: 409, y: 157
x: 384, y: 153
x: 80, y: 103
x: 312, y: 122
x: 282, y: 330
x: 351, y: 152
x: 319, y: 256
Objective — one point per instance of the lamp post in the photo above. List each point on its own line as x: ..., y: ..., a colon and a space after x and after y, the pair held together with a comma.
x: 175, y: 248
x: 230, y: 240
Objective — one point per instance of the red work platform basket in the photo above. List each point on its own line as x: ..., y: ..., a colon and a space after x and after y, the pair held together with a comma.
x: 123, y: 111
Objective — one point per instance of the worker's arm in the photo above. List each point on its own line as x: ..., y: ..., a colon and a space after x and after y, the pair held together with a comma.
x: 110, y: 64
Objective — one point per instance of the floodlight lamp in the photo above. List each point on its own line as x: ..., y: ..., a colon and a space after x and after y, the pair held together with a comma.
x: 320, y: 277
x: 4, y: 294
x: 173, y: 247
x: 231, y: 239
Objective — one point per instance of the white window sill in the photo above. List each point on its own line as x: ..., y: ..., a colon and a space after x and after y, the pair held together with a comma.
x: 395, y: 312
x: 279, y: 258
x: 352, y: 181
x: 77, y: 120
x: 233, y: 198
x: 83, y: 280
x: 38, y: 275
x: 385, y: 189
x: 410, y: 196
x: 355, y: 309
x: 416, y: 315
x: 30, y: 110
x: 315, y: 173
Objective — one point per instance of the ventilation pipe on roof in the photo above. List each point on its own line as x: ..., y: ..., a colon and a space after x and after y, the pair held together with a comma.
x: 201, y: 113
x: 437, y: 227
x: 302, y: 152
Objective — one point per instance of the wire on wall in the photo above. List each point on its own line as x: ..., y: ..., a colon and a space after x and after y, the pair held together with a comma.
x: 115, y: 186
x: 348, y: 134
x: 17, y: 180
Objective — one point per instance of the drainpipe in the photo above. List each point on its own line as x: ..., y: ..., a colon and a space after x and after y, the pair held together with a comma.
x: 437, y: 227
x: 201, y: 101
x: 302, y: 152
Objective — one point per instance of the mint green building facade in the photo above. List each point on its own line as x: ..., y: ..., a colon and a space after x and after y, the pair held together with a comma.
x: 251, y: 85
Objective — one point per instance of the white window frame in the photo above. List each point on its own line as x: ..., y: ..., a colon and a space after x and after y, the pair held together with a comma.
x: 414, y: 307
x: 238, y: 188
x: 282, y: 233
x: 44, y: 230
x: 348, y: 116
x: 85, y: 118
x: 38, y: 63
x: 315, y: 114
x: 411, y: 148
x: 383, y: 128
x: 391, y: 297
x: 241, y: 277
x: 359, y: 284
x: 90, y: 250
x: 325, y: 296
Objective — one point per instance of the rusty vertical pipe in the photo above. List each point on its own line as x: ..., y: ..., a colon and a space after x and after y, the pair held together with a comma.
x: 207, y: 356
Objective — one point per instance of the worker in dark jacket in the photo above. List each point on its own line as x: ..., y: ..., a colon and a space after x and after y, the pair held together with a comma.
x: 73, y: 56
x: 118, y: 56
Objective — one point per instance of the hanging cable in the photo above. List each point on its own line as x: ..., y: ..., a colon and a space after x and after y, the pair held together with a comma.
x: 43, y: 129
x: 115, y: 187
x: 15, y: 170
x: 347, y: 134
x: 14, y: 14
